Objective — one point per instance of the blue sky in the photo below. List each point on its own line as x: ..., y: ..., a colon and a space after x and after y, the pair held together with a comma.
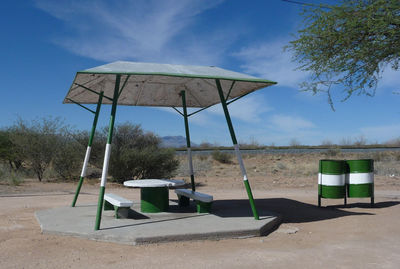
x: 44, y: 43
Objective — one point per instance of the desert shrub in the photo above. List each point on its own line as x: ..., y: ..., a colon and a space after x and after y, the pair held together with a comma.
x: 150, y: 162
x: 8, y: 151
x: 203, y: 157
x: 281, y: 166
x: 9, y: 176
x: 393, y: 142
x: 360, y: 141
x: 37, y: 142
x: 294, y: 142
x: 67, y: 162
x: 97, y: 148
x: 136, y: 154
x: 326, y: 142
x: 205, y: 145
x: 332, y: 152
x: 221, y: 157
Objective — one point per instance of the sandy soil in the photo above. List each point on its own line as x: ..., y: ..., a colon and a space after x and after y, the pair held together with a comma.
x: 332, y: 237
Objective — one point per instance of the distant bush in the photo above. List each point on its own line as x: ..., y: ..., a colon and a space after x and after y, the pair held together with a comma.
x: 332, y: 152
x: 222, y: 157
x: 327, y: 143
x: 294, y: 142
x: 360, y: 141
x: 205, y: 144
x: 393, y: 142
x: 136, y: 154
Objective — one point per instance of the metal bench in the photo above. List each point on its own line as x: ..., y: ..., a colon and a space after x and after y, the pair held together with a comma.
x: 117, y: 203
x: 203, y: 201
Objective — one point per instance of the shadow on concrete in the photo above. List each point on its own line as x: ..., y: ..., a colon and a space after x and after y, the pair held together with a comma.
x: 292, y: 211
x: 133, y: 214
x: 152, y: 221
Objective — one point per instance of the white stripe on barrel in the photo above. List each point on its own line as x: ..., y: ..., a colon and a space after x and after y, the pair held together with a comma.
x: 360, y: 178
x: 240, y: 160
x: 86, y: 161
x: 331, y: 180
x: 105, y: 166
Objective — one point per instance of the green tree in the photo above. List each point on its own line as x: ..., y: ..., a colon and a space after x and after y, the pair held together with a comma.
x: 98, y: 146
x: 9, y: 152
x: 67, y: 160
x: 38, y: 142
x: 136, y: 154
x: 348, y: 44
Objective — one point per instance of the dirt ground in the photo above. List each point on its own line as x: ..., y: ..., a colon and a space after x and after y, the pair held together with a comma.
x: 333, y: 236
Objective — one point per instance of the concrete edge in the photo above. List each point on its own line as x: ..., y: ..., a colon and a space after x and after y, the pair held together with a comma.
x: 238, y: 234
x: 264, y: 231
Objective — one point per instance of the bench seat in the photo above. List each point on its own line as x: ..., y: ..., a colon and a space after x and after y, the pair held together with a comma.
x: 117, y: 203
x: 203, y: 200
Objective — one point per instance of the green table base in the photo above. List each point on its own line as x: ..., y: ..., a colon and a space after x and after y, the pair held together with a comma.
x: 154, y: 200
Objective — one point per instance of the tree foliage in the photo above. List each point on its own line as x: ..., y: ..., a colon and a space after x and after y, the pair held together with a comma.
x: 136, y: 154
x: 9, y: 151
x: 48, y: 143
x: 67, y: 160
x: 37, y: 142
x: 348, y: 44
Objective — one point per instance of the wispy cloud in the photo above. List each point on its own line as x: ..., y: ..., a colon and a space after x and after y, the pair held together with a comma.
x: 144, y: 30
x: 269, y: 60
x: 249, y: 109
x: 291, y: 124
x: 381, y: 133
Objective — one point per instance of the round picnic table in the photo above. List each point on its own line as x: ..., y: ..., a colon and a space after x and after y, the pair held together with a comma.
x: 154, y: 194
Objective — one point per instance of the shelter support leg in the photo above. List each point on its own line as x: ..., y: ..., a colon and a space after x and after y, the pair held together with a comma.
x: 237, y: 151
x: 189, y: 151
x: 87, y: 156
x: 107, y: 154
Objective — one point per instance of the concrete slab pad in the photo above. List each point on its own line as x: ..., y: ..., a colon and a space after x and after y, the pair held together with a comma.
x: 229, y: 219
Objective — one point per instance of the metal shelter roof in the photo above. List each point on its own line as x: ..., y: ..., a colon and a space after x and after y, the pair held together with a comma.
x: 150, y: 84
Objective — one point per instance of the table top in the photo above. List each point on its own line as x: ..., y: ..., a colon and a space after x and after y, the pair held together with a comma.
x: 153, y: 183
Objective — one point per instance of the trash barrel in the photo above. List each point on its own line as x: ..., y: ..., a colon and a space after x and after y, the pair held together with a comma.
x: 360, y: 178
x: 331, y: 180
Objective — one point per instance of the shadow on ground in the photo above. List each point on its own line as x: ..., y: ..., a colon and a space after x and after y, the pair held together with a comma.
x: 292, y: 211
x: 367, y: 205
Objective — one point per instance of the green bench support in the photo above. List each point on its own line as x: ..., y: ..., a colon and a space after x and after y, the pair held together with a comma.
x: 117, y: 203
x: 203, y: 201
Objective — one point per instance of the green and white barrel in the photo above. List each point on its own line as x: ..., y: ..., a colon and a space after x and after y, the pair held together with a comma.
x: 331, y: 179
x: 360, y: 178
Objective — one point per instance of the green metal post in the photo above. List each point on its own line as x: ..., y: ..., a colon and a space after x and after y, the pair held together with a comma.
x: 189, y: 151
x: 87, y: 156
x: 237, y: 151
x: 107, y: 154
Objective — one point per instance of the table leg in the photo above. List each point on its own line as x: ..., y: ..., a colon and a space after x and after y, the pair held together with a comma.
x: 154, y: 200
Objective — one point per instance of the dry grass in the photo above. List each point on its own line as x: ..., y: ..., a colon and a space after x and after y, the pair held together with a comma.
x: 285, y: 170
